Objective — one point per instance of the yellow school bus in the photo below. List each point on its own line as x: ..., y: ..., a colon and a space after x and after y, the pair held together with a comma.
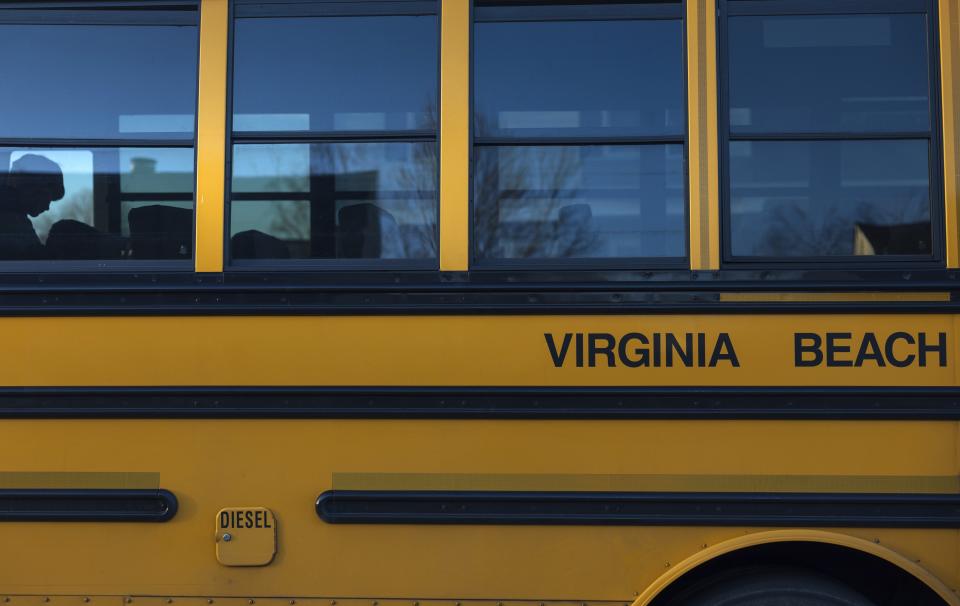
x: 479, y: 303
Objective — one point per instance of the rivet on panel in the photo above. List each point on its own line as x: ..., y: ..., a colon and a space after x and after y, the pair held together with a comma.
x: 86, y: 600
x: 333, y: 603
x: 251, y: 601
x: 293, y: 601
x: 169, y: 600
x: 46, y: 599
x: 877, y: 540
x: 129, y: 600
x: 209, y: 600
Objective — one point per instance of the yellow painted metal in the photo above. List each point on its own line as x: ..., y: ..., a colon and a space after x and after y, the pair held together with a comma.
x: 286, y: 464
x: 246, y: 536
x: 779, y: 536
x: 949, y: 63
x: 125, y: 480
x: 455, y: 135
x: 703, y: 137
x: 211, y: 135
x: 648, y: 483
x: 464, y: 350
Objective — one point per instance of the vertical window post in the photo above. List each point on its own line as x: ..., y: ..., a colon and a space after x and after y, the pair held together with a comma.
x: 211, y: 135
x: 703, y: 143
x: 949, y: 63
x: 454, y: 135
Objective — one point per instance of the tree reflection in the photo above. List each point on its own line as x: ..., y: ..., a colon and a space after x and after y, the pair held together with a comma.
x: 526, y: 203
x: 802, y: 229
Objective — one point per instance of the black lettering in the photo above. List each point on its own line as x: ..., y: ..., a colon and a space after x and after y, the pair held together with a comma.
x: 625, y: 359
x: 807, y: 343
x: 224, y: 519
x: 684, y: 353
x: 701, y: 349
x: 723, y: 350
x: 607, y: 349
x: 870, y: 350
x: 891, y: 343
x: 940, y: 348
x: 249, y: 519
x: 266, y: 521
x: 558, y: 357
x: 579, y: 350
x: 833, y: 348
x: 656, y: 350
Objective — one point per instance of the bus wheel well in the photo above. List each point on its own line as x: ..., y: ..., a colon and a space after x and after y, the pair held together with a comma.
x: 883, y: 582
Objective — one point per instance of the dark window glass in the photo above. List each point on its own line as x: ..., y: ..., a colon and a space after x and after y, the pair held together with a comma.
x: 334, y: 201
x: 99, y: 203
x: 579, y: 126
x: 575, y: 78
x: 830, y: 198
x: 324, y: 74
x: 829, y: 73
x: 98, y: 81
x: 580, y: 202
x: 831, y: 134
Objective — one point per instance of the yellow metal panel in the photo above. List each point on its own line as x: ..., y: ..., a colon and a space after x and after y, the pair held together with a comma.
x: 286, y: 464
x: 211, y: 135
x: 647, y: 483
x: 477, y: 350
x: 949, y: 63
x: 702, y: 135
x: 455, y: 135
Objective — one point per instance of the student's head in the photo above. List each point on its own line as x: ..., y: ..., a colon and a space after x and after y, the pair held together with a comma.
x: 38, y: 181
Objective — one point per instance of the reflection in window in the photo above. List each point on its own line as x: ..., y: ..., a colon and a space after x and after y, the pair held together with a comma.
x: 829, y: 198
x: 68, y: 80
x: 325, y: 74
x: 96, y: 204
x: 579, y: 132
x: 334, y: 201
x: 579, y: 78
x: 829, y: 73
x: 815, y: 169
x: 580, y: 201
x: 316, y: 100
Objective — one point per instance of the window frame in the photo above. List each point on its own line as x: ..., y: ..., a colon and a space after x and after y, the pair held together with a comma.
x: 501, y: 11
x: 762, y: 8
x: 129, y: 12
x: 253, y: 9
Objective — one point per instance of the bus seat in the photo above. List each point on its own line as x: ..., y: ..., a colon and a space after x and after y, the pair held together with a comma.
x: 159, y: 231
x: 74, y: 240
x: 366, y: 231
x: 254, y: 244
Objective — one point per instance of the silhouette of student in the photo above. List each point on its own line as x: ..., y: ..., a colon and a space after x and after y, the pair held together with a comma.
x: 33, y: 183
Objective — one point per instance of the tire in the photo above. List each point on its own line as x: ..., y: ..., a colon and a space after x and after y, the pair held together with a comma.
x: 773, y: 587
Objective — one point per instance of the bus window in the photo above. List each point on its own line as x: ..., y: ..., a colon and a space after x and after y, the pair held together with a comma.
x: 334, y: 133
x: 832, y: 140
x: 96, y: 132
x: 579, y: 126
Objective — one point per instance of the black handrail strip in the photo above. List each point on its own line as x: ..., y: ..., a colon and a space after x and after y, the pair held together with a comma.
x: 641, y: 508
x: 503, y: 403
x: 87, y: 505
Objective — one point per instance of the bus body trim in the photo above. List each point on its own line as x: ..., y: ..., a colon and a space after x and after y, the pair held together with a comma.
x: 86, y: 505
x: 846, y: 510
